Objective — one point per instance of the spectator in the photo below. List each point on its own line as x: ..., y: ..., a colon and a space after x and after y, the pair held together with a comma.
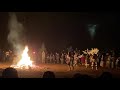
x: 49, y: 74
x: 82, y: 77
x: 9, y: 73
x: 106, y: 76
x: 77, y: 75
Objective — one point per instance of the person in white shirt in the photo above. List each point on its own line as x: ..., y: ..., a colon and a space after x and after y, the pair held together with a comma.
x: 108, y: 62
x: 116, y: 63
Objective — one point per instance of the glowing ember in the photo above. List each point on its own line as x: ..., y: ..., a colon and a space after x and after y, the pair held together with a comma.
x: 25, y: 61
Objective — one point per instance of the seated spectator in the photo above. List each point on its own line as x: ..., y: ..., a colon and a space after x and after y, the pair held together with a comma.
x: 49, y: 74
x: 9, y: 73
x: 77, y: 75
x: 82, y: 77
x: 87, y: 77
x: 106, y: 76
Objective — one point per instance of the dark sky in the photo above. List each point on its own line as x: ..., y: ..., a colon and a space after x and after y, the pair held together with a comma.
x: 61, y: 29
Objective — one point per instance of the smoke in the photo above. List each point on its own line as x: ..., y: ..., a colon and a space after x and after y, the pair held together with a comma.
x: 15, y: 36
x: 92, y: 30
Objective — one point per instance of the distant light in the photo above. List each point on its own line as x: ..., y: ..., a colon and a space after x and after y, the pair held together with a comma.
x: 33, y: 52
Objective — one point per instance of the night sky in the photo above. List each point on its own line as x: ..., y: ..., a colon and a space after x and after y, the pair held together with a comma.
x: 59, y: 30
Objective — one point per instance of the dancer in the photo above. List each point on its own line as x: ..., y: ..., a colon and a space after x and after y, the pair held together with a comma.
x: 71, y: 64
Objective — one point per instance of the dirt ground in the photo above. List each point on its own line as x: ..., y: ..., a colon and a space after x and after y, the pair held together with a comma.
x: 60, y: 70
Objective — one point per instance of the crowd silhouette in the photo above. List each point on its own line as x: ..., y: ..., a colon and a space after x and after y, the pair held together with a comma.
x: 13, y: 73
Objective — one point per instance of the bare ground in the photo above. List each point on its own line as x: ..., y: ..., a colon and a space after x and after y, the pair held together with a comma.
x: 61, y: 71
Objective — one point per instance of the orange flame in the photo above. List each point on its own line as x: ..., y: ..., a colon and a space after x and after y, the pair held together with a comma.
x: 25, y: 61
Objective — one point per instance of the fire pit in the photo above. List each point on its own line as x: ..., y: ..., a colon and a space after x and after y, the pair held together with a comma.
x: 25, y: 62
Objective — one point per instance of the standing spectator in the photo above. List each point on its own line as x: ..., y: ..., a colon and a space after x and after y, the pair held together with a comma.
x: 53, y: 58
x: 62, y: 58
x: 116, y: 63
x: 43, y: 57
x: 57, y: 57
x: 71, y: 61
x: 48, y: 58
x: 83, y: 59
x: 108, y: 61
x: 102, y: 62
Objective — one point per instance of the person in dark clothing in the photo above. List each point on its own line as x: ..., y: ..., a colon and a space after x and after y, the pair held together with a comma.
x: 82, y: 77
x: 77, y: 75
x: 71, y: 63
x: 49, y: 74
x: 95, y: 57
x: 106, y: 76
x: 9, y: 73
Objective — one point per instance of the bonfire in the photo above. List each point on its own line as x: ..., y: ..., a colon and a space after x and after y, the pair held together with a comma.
x: 25, y: 61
